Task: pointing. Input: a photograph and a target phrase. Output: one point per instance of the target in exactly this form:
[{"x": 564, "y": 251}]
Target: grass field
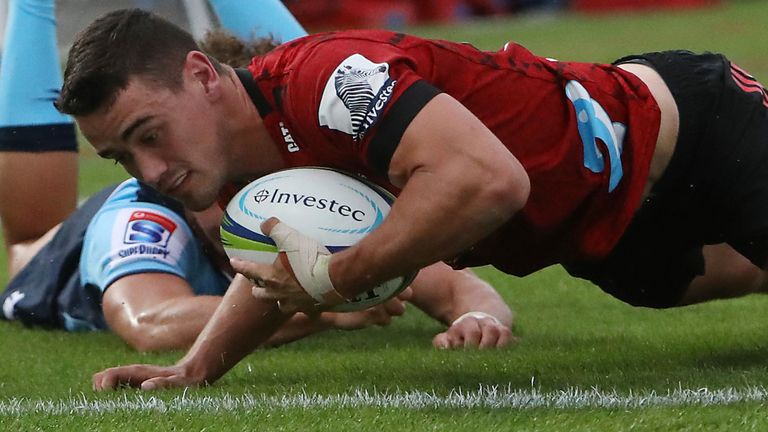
[{"x": 584, "y": 362}]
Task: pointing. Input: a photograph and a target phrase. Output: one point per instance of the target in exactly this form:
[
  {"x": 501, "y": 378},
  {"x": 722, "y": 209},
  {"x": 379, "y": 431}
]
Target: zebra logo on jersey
[{"x": 355, "y": 96}]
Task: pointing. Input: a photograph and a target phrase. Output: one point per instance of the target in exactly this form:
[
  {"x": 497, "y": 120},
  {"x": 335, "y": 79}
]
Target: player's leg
[
  {"x": 727, "y": 274},
  {"x": 741, "y": 130},
  {"x": 38, "y": 150},
  {"x": 253, "y": 19},
  {"x": 715, "y": 190}
]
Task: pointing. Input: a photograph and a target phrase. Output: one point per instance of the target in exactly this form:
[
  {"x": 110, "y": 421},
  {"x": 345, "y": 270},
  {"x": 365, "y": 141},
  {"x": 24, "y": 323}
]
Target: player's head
[
  {"x": 144, "y": 95},
  {"x": 117, "y": 47}
]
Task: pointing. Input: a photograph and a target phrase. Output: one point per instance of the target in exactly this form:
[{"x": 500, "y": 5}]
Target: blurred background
[
  {"x": 397, "y": 13},
  {"x": 319, "y": 15}
]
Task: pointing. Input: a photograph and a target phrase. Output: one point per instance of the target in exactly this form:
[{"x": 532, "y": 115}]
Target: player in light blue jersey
[{"x": 132, "y": 260}]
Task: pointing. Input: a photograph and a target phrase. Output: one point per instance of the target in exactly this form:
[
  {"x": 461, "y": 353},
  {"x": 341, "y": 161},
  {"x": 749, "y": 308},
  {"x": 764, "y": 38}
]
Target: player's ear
[{"x": 199, "y": 69}]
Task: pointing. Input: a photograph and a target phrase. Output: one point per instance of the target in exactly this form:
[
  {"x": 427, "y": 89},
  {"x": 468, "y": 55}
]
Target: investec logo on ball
[
  {"x": 148, "y": 233},
  {"x": 275, "y": 196}
]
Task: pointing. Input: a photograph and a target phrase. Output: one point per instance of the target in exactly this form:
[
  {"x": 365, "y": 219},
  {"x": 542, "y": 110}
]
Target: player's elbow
[
  {"x": 505, "y": 190},
  {"x": 142, "y": 345},
  {"x": 515, "y": 187},
  {"x": 142, "y": 339},
  {"x": 143, "y": 334}
]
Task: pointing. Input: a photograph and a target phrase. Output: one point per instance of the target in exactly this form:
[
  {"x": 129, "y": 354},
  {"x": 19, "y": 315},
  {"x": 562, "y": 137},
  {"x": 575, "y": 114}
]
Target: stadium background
[{"x": 318, "y": 15}]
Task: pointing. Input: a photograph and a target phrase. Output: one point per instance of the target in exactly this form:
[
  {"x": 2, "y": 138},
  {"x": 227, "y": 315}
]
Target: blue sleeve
[
  {"x": 249, "y": 19},
  {"x": 126, "y": 238}
]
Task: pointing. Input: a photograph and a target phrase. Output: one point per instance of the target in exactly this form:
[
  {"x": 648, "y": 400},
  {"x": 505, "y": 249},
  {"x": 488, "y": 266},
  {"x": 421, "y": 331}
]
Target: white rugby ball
[{"x": 334, "y": 208}]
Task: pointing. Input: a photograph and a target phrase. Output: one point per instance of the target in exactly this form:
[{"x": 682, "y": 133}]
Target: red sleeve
[{"x": 359, "y": 95}]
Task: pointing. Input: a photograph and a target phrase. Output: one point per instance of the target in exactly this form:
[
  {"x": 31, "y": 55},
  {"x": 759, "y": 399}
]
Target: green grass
[
  {"x": 573, "y": 337},
  {"x": 737, "y": 30}
]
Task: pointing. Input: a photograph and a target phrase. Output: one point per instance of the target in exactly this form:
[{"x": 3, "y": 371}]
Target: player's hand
[
  {"x": 298, "y": 279},
  {"x": 145, "y": 377},
  {"x": 275, "y": 282},
  {"x": 379, "y": 315},
  {"x": 474, "y": 330}
]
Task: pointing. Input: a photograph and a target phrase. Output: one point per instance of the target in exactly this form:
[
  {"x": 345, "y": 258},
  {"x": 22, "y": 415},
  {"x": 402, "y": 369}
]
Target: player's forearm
[
  {"x": 170, "y": 325},
  {"x": 434, "y": 218},
  {"x": 177, "y": 323},
  {"x": 458, "y": 184},
  {"x": 469, "y": 293},
  {"x": 446, "y": 294},
  {"x": 240, "y": 324},
  {"x": 486, "y": 301},
  {"x": 299, "y": 326}
]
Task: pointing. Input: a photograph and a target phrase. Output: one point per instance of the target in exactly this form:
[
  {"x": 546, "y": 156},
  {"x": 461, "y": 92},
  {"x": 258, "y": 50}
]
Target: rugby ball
[{"x": 334, "y": 208}]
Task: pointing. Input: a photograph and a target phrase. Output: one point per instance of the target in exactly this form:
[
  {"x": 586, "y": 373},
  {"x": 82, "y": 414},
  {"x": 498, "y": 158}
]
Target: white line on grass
[{"x": 484, "y": 397}]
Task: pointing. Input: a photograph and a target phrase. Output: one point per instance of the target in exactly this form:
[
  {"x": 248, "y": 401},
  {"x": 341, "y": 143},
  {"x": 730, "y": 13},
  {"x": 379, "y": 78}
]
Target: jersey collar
[{"x": 257, "y": 97}]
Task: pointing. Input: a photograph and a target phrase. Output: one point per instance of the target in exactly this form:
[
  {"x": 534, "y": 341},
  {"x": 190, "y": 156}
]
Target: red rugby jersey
[{"x": 585, "y": 133}]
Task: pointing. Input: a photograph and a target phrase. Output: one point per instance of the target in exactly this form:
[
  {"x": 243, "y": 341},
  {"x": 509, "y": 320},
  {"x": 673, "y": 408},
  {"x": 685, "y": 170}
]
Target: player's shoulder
[
  {"x": 132, "y": 192},
  {"x": 124, "y": 192},
  {"x": 323, "y": 48},
  {"x": 132, "y": 201}
]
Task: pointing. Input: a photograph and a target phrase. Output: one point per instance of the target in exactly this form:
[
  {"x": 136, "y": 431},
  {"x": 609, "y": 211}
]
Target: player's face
[{"x": 170, "y": 140}]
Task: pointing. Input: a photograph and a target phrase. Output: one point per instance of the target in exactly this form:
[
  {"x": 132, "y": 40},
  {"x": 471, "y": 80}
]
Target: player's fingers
[
  {"x": 286, "y": 238},
  {"x": 406, "y": 294},
  {"x": 108, "y": 379},
  {"x": 379, "y": 316},
  {"x": 505, "y": 338},
  {"x": 440, "y": 341},
  {"x": 112, "y": 378},
  {"x": 97, "y": 381},
  {"x": 471, "y": 336},
  {"x": 265, "y": 286},
  {"x": 168, "y": 382},
  {"x": 449, "y": 340},
  {"x": 257, "y": 273},
  {"x": 287, "y": 307},
  {"x": 489, "y": 336},
  {"x": 260, "y": 293},
  {"x": 467, "y": 332},
  {"x": 268, "y": 225},
  {"x": 394, "y": 307}
]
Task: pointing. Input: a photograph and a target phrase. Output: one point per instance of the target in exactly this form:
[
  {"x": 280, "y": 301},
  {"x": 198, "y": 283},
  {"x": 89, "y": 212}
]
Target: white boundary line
[{"x": 484, "y": 397}]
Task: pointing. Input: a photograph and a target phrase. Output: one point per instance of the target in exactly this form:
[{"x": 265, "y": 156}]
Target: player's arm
[
  {"x": 159, "y": 311},
  {"x": 238, "y": 326},
  {"x": 474, "y": 312},
  {"x": 459, "y": 183},
  {"x": 156, "y": 311}
]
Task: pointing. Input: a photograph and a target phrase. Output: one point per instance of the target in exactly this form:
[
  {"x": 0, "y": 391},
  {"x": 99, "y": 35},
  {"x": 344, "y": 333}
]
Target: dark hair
[
  {"x": 116, "y": 47},
  {"x": 230, "y": 50}
]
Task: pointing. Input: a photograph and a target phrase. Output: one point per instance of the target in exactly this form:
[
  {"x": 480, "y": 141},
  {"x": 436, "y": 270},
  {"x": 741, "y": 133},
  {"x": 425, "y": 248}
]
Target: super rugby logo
[
  {"x": 355, "y": 95},
  {"x": 149, "y": 228}
]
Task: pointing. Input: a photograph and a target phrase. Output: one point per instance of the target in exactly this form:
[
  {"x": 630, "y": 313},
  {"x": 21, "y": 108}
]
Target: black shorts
[
  {"x": 715, "y": 189},
  {"x": 48, "y": 292}
]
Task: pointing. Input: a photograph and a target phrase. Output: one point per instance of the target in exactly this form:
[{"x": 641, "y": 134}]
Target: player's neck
[{"x": 252, "y": 152}]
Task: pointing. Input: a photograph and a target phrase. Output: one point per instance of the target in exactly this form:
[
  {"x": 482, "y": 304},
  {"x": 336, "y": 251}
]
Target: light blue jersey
[
  {"x": 135, "y": 232},
  {"x": 120, "y": 231}
]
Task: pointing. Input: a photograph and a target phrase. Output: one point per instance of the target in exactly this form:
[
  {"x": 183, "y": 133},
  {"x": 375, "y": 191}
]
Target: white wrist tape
[
  {"x": 477, "y": 315},
  {"x": 309, "y": 261}
]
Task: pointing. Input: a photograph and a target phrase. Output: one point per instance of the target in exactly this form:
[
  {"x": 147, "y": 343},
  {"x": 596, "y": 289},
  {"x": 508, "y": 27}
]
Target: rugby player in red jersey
[
  {"x": 629, "y": 174},
  {"x": 133, "y": 261}
]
